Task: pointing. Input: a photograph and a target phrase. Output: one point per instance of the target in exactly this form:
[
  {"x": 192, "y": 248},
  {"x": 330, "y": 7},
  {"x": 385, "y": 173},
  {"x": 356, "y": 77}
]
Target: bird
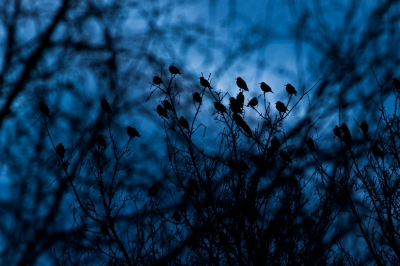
[
  {"x": 197, "y": 97},
  {"x": 290, "y": 89},
  {"x": 101, "y": 141},
  {"x": 60, "y": 150},
  {"x": 337, "y": 132},
  {"x": 104, "y": 230},
  {"x": 285, "y": 156},
  {"x": 396, "y": 83},
  {"x": 220, "y": 107},
  {"x": 157, "y": 80},
  {"x": 176, "y": 216},
  {"x": 265, "y": 88},
  {"x": 183, "y": 122},
  {"x": 253, "y": 102},
  {"x": 167, "y": 105},
  {"x": 345, "y": 130},
  {"x": 205, "y": 83},
  {"x": 364, "y": 127},
  {"x": 280, "y": 107},
  {"x": 376, "y": 151},
  {"x": 241, "y": 84},
  {"x": 105, "y": 106},
  {"x": 234, "y": 105},
  {"x": 152, "y": 191},
  {"x": 240, "y": 99},
  {"x": 238, "y": 119},
  {"x": 275, "y": 143},
  {"x": 162, "y": 112},
  {"x": 44, "y": 109},
  {"x": 246, "y": 128},
  {"x": 174, "y": 70},
  {"x": 310, "y": 144},
  {"x": 132, "y": 132}
]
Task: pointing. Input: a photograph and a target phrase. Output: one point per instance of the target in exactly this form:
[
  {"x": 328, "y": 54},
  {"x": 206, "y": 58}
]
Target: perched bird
[
  {"x": 191, "y": 187},
  {"x": 396, "y": 83},
  {"x": 270, "y": 151},
  {"x": 275, "y": 143},
  {"x": 184, "y": 123},
  {"x": 105, "y": 106},
  {"x": 238, "y": 119},
  {"x": 253, "y": 102},
  {"x": 176, "y": 216},
  {"x": 364, "y": 127},
  {"x": 293, "y": 181},
  {"x": 174, "y": 70},
  {"x": 265, "y": 88},
  {"x": 205, "y": 83},
  {"x": 345, "y": 130},
  {"x": 337, "y": 132},
  {"x": 240, "y": 99},
  {"x": 310, "y": 144},
  {"x": 44, "y": 109},
  {"x": 285, "y": 156},
  {"x": 197, "y": 97},
  {"x": 152, "y": 191},
  {"x": 101, "y": 141},
  {"x": 290, "y": 89},
  {"x": 157, "y": 80},
  {"x": 60, "y": 150},
  {"x": 220, "y": 107},
  {"x": 246, "y": 128},
  {"x": 132, "y": 132},
  {"x": 280, "y": 107},
  {"x": 241, "y": 84},
  {"x": 104, "y": 230},
  {"x": 376, "y": 151},
  {"x": 235, "y": 106},
  {"x": 162, "y": 112},
  {"x": 167, "y": 105}
]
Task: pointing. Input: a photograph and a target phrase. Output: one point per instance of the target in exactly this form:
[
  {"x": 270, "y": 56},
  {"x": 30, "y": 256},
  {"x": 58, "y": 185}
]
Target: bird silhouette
[
  {"x": 105, "y": 106},
  {"x": 376, "y": 151},
  {"x": 192, "y": 186},
  {"x": 44, "y": 109},
  {"x": 197, "y": 97},
  {"x": 183, "y": 122},
  {"x": 337, "y": 132},
  {"x": 364, "y": 127},
  {"x": 220, "y": 107},
  {"x": 253, "y": 102},
  {"x": 310, "y": 144},
  {"x": 396, "y": 83},
  {"x": 174, "y": 70},
  {"x": 240, "y": 99},
  {"x": 280, "y": 107},
  {"x": 285, "y": 156},
  {"x": 101, "y": 141},
  {"x": 246, "y": 128},
  {"x": 176, "y": 216},
  {"x": 162, "y": 112},
  {"x": 132, "y": 132},
  {"x": 238, "y": 119},
  {"x": 265, "y": 88},
  {"x": 60, "y": 150},
  {"x": 275, "y": 143},
  {"x": 157, "y": 80},
  {"x": 167, "y": 105},
  {"x": 152, "y": 191},
  {"x": 345, "y": 130},
  {"x": 205, "y": 83},
  {"x": 241, "y": 84},
  {"x": 104, "y": 230},
  {"x": 234, "y": 105},
  {"x": 290, "y": 89}
]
